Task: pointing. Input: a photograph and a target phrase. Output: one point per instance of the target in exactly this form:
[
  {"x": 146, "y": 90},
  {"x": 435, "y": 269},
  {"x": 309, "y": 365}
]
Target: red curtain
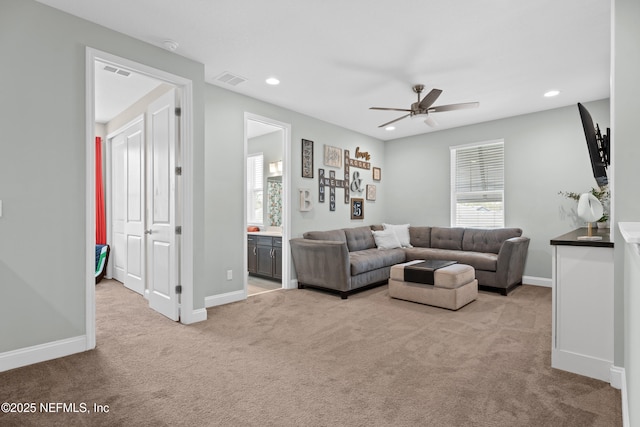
[{"x": 101, "y": 223}]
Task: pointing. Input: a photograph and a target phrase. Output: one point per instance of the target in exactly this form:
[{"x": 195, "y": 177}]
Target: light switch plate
[{"x": 0, "y": 208}]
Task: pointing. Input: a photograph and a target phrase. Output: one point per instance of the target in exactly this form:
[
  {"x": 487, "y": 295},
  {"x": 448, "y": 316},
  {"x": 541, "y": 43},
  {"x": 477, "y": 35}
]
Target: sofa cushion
[
  {"x": 359, "y": 238},
  {"x": 487, "y": 240},
  {"x": 478, "y": 260},
  {"x": 402, "y": 233},
  {"x": 420, "y": 236},
  {"x": 371, "y": 259},
  {"x": 332, "y": 235},
  {"x": 447, "y": 238},
  {"x": 386, "y": 239}
]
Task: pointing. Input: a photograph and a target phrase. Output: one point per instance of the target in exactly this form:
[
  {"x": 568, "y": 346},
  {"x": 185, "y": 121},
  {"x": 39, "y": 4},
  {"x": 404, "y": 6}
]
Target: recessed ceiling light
[
  {"x": 390, "y": 128},
  {"x": 272, "y": 81},
  {"x": 552, "y": 93}
]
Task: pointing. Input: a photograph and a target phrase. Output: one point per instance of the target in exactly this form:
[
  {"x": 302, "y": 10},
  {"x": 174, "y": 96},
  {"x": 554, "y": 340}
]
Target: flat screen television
[{"x": 598, "y": 146}]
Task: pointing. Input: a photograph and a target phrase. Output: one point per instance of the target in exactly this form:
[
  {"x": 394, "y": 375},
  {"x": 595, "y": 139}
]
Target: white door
[
  {"x": 118, "y": 207},
  {"x": 127, "y": 165},
  {"x": 162, "y": 250}
]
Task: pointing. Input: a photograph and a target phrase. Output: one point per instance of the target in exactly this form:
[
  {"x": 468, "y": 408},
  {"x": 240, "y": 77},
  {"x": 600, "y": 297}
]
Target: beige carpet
[{"x": 306, "y": 358}]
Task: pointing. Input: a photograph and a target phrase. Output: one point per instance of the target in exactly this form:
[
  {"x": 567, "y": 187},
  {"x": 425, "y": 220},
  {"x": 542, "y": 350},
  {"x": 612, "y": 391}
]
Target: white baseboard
[
  {"x": 293, "y": 284},
  {"x": 42, "y": 352},
  {"x": 616, "y": 377},
  {"x": 588, "y": 366},
  {"x": 537, "y": 281},
  {"x": 198, "y": 315},
  {"x": 619, "y": 381},
  {"x": 229, "y": 297}
]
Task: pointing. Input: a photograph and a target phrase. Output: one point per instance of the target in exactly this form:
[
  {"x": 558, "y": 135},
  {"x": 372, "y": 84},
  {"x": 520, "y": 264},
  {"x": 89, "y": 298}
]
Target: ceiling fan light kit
[{"x": 423, "y": 107}]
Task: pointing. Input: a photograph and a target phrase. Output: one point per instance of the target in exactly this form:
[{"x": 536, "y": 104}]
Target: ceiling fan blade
[
  {"x": 429, "y": 99},
  {"x": 451, "y": 107},
  {"x": 393, "y": 121},
  {"x": 431, "y": 121},
  {"x": 389, "y": 109}
]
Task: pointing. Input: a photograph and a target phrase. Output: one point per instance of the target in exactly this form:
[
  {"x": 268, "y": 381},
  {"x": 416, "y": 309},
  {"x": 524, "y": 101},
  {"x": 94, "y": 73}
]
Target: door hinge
[
  {"x": 178, "y": 170},
  {"x": 178, "y": 111},
  {"x": 178, "y": 229},
  {"x": 178, "y": 289}
]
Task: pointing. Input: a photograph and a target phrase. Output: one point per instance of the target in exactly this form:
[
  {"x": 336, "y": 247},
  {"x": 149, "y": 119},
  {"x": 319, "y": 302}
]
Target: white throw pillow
[
  {"x": 385, "y": 239},
  {"x": 402, "y": 233}
]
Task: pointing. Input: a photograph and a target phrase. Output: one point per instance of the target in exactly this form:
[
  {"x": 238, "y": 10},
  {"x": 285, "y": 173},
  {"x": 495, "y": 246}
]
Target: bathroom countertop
[{"x": 266, "y": 233}]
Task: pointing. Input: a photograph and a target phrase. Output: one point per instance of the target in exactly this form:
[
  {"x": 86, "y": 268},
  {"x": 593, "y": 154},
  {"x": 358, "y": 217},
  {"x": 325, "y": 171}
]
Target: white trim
[
  {"x": 626, "y": 422},
  {"x": 286, "y": 196},
  {"x": 197, "y": 315},
  {"x": 42, "y": 352},
  {"x": 90, "y": 202},
  {"x": 619, "y": 381},
  {"x": 226, "y": 298},
  {"x": 617, "y": 377},
  {"x": 185, "y": 87},
  {"x": 581, "y": 364},
  {"x": 537, "y": 281}
]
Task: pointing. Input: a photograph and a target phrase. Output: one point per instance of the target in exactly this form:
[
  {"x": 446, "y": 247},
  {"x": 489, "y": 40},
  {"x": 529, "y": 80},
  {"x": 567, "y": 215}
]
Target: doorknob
[{"x": 147, "y": 231}]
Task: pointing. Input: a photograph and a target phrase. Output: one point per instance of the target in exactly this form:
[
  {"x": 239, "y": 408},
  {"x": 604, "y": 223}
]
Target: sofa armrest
[
  {"x": 511, "y": 260},
  {"x": 321, "y": 263}
]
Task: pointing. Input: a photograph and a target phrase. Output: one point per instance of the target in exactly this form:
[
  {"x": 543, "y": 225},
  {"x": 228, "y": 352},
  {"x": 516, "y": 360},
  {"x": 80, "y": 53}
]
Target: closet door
[
  {"x": 128, "y": 206},
  {"x": 162, "y": 254}
]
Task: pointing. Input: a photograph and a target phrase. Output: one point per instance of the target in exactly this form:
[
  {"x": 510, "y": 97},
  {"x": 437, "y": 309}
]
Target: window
[
  {"x": 255, "y": 189},
  {"x": 477, "y": 185}
]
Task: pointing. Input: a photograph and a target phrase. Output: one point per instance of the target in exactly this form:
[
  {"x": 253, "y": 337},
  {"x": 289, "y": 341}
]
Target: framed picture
[
  {"x": 332, "y": 156},
  {"x": 371, "y": 192},
  {"x": 307, "y": 158},
  {"x": 357, "y": 209},
  {"x": 377, "y": 174}
]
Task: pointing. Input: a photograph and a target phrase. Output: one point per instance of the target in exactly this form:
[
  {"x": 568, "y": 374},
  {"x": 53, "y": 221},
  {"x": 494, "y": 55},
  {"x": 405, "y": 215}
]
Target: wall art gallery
[{"x": 351, "y": 180}]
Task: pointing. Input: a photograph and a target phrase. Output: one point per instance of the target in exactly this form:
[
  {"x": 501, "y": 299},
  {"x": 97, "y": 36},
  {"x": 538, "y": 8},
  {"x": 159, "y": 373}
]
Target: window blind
[
  {"x": 477, "y": 183},
  {"x": 255, "y": 188}
]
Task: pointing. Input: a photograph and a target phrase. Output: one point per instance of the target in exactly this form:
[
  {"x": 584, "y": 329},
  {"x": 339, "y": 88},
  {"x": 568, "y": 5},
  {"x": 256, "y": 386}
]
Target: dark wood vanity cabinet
[
  {"x": 252, "y": 254},
  {"x": 264, "y": 256}
]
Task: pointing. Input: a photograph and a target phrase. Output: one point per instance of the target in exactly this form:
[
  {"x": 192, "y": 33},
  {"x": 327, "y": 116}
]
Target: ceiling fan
[{"x": 424, "y": 107}]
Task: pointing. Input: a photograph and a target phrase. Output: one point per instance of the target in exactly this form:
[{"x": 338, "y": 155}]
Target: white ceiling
[
  {"x": 114, "y": 92},
  {"x": 337, "y": 58}
]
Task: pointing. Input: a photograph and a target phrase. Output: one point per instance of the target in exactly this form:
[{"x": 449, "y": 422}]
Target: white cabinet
[{"x": 582, "y": 334}]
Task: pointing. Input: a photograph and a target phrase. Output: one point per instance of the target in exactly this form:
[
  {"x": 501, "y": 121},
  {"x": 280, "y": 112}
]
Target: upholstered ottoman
[{"x": 454, "y": 286}]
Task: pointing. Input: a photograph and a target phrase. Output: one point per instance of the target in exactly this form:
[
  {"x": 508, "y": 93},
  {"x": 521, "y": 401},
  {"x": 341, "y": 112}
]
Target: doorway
[
  {"x": 142, "y": 207},
  {"x": 176, "y": 308},
  {"x": 267, "y": 206}
]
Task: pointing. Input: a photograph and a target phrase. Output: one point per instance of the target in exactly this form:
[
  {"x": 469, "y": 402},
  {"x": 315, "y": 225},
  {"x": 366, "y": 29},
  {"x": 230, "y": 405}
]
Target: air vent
[
  {"x": 231, "y": 79},
  {"x": 115, "y": 70}
]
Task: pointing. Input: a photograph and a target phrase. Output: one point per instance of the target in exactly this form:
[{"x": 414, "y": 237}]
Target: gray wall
[
  {"x": 626, "y": 203},
  {"x": 224, "y": 192},
  {"x": 545, "y": 153},
  {"x": 42, "y": 166}
]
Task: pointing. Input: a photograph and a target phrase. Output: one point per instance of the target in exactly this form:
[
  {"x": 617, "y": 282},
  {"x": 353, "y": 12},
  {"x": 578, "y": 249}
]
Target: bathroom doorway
[{"x": 266, "y": 214}]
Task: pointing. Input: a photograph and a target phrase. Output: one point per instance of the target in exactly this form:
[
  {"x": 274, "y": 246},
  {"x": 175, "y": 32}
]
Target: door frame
[
  {"x": 286, "y": 197},
  {"x": 185, "y": 86}
]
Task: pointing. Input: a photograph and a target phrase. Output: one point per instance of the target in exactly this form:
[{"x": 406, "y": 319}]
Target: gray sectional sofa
[{"x": 347, "y": 260}]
